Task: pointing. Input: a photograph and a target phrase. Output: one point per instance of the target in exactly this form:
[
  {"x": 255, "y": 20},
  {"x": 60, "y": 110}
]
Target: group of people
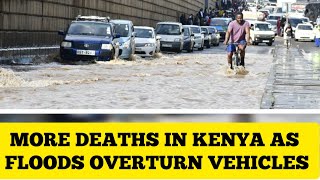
[{"x": 204, "y": 16}]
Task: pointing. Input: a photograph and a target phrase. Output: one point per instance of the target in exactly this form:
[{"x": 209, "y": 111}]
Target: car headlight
[
  {"x": 106, "y": 46},
  {"x": 257, "y": 35},
  {"x": 126, "y": 44},
  {"x": 177, "y": 40},
  {"x": 149, "y": 45},
  {"x": 66, "y": 44}
]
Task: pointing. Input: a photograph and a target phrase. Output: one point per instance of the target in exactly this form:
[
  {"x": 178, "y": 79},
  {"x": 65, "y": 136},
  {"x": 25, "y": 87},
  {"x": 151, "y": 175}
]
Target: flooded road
[{"x": 186, "y": 81}]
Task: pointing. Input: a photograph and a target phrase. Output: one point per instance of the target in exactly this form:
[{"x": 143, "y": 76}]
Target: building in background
[{"x": 36, "y": 22}]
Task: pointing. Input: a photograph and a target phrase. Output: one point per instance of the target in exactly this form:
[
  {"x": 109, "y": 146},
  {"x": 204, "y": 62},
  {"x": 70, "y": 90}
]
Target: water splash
[{"x": 8, "y": 79}]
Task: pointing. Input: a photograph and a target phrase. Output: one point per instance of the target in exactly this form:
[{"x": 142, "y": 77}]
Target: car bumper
[
  {"x": 145, "y": 51},
  {"x": 264, "y": 40},
  {"x": 187, "y": 45},
  {"x": 70, "y": 54},
  {"x": 170, "y": 46},
  {"x": 198, "y": 43},
  {"x": 310, "y": 38},
  {"x": 124, "y": 52}
]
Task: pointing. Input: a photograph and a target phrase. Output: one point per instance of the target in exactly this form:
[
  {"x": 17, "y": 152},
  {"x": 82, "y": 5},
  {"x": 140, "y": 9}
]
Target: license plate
[
  {"x": 266, "y": 41},
  {"x": 86, "y": 52},
  {"x": 138, "y": 49},
  {"x": 166, "y": 45}
]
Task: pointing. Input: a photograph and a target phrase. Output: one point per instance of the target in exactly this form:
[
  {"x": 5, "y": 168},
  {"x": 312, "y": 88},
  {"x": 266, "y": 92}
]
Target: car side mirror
[
  {"x": 116, "y": 35},
  {"x": 61, "y": 33},
  {"x": 203, "y": 32},
  {"x": 192, "y": 34},
  {"x": 158, "y": 37},
  {"x": 210, "y": 33},
  {"x": 182, "y": 31},
  {"x": 134, "y": 34}
]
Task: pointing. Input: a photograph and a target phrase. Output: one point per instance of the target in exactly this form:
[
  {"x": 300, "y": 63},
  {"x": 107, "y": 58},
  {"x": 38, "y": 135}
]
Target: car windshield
[
  {"x": 295, "y": 22},
  {"x": 274, "y": 23},
  {"x": 168, "y": 29},
  {"x": 263, "y": 27},
  {"x": 205, "y": 30},
  {"x": 186, "y": 32},
  {"x": 195, "y": 30},
  {"x": 212, "y": 30},
  {"x": 144, "y": 33},
  {"x": 274, "y": 17},
  {"x": 90, "y": 28},
  {"x": 218, "y": 22},
  {"x": 305, "y": 27},
  {"x": 305, "y": 19},
  {"x": 122, "y": 30}
]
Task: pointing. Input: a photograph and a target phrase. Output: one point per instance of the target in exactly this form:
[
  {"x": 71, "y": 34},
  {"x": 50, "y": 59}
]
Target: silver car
[
  {"x": 126, "y": 41},
  {"x": 198, "y": 36},
  {"x": 215, "y": 35}
]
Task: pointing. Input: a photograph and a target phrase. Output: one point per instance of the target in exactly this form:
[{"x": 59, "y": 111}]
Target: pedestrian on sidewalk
[
  {"x": 287, "y": 35},
  {"x": 279, "y": 27},
  {"x": 317, "y": 35}
]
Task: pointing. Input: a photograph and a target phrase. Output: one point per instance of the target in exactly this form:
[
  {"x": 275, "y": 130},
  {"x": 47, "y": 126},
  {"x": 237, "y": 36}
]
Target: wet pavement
[{"x": 294, "y": 78}]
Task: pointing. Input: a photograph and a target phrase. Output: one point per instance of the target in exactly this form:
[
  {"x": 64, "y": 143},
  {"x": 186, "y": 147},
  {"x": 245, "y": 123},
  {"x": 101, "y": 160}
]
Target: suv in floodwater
[{"x": 88, "y": 38}]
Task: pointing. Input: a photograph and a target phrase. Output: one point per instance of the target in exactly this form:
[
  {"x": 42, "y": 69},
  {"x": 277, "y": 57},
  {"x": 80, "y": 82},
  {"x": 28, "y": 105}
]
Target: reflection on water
[{"x": 197, "y": 81}]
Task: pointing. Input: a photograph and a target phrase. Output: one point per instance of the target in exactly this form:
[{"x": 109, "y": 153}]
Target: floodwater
[{"x": 187, "y": 81}]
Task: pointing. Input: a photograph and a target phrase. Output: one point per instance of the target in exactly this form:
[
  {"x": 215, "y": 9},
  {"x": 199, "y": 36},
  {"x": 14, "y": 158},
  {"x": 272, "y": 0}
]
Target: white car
[
  {"x": 304, "y": 32},
  {"x": 261, "y": 32},
  {"x": 147, "y": 43},
  {"x": 273, "y": 25},
  {"x": 198, "y": 36},
  {"x": 171, "y": 34}
]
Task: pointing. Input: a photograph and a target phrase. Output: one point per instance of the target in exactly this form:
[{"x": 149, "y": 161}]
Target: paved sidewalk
[{"x": 293, "y": 82}]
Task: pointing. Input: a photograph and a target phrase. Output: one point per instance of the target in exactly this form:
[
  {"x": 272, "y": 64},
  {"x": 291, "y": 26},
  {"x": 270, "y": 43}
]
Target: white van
[
  {"x": 171, "y": 34},
  {"x": 261, "y": 32}
]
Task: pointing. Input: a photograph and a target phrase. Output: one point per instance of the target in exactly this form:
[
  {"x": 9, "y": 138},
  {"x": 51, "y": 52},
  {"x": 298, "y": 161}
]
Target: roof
[
  {"x": 222, "y": 18},
  {"x": 276, "y": 14},
  {"x": 191, "y": 26},
  {"x": 305, "y": 24},
  {"x": 169, "y": 23},
  {"x": 260, "y": 22},
  {"x": 143, "y": 27},
  {"x": 91, "y": 18},
  {"x": 207, "y": 26},
  {"x": 121, "y": 21},
  {"x": 100, "y": 22}
]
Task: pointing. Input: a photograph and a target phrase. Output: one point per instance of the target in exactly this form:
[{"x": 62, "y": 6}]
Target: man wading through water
[{"x": 238, "y": 32}]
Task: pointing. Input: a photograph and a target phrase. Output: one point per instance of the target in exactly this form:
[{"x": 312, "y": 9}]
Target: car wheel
[{"x": 269, "y": 44}]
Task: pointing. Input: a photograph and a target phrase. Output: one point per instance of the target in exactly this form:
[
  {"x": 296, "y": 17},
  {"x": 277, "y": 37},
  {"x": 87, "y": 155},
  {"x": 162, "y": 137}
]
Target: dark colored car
[
  {"x": 87, "y": 40},
  {"x": 221, "y": 24},
  {"x": 188, "y": 39}
]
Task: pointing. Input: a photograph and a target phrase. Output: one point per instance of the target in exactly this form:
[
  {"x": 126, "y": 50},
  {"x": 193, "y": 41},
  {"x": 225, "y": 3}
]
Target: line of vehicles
[
  {"x": 102, "y": 39},
  {"x": 302, "y": 26}
]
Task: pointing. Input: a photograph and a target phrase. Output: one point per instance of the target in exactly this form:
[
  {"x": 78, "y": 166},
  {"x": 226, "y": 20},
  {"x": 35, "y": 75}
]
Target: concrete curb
[{"x": 267, "y": 101}]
